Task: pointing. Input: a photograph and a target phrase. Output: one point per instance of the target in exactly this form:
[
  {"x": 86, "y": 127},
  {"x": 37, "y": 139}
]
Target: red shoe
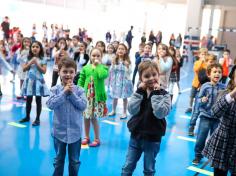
[
  {"x": 95, "y": 143},
  {"x": 85, "y": 141}
]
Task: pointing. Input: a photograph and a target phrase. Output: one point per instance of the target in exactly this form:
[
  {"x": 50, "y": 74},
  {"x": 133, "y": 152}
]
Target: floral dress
[
  {"x": 120, "y": 83},
  {"x": 34, "y": 83},
  {"x": 94, "y": 109}
]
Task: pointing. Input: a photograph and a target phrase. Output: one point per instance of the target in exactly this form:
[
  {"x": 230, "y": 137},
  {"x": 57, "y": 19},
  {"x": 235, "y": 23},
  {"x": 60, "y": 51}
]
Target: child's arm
[
  {"x": 203, "y": 96},
  {"x": 161, "y": 103},
  {"x": 56, "y": 98},
  {"x": 135, "y": 101},
  {"x": 102, "y": 71},
  {"x": 82, "y": 77},
  {"x": 78, "y": 99},
  {"x": 6, "y": 64},
  {"x": 41, "y": 67}
]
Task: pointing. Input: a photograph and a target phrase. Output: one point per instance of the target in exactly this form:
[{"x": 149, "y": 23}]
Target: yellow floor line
[
  {"x": 186, "y": 138},
  {"x": 16, "y": 125},
  {"x": 201, "y": 171}
]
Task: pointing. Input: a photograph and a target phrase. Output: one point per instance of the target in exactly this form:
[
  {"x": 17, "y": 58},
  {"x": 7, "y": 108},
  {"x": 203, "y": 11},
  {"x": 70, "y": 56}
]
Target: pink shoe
[
  {"x": 85, "y": 141},
  {"x": 95, "y": 143}
]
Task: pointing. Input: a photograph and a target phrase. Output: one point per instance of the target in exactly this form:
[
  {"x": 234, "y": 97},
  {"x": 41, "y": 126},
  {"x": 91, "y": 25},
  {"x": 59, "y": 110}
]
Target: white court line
[
  {"x": 186, "y": 90},
  {"x": 186, "y": 138},
  {"x": 183, "y": 74},
  {"x": 201, "y": 171},
  {"x": 185, "y": 117},
  {"x": 111, "y": 123}
]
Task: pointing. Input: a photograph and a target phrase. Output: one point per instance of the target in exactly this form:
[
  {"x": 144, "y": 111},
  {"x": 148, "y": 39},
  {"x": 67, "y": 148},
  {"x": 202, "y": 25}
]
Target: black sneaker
[
  {"x": 36, "y": 123},
  {"x": 26, "y": 119},
  {"x": 189, "y": 110},
  {"x": 191, "y": 131},
  {"x": 196, "y": 161}
]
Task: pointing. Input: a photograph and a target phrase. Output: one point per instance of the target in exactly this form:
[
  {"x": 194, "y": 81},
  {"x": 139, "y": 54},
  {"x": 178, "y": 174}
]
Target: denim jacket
[{"x": 210, "y": 91}]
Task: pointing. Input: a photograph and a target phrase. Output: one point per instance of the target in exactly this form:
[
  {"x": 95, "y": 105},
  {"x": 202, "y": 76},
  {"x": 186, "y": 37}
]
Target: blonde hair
[
  {"x": 203, "y": 50},
  {"x": 211, "y": 57}
]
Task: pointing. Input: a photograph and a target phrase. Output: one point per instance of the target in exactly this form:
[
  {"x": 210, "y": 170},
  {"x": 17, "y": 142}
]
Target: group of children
[{"x": 82, "y": 94}]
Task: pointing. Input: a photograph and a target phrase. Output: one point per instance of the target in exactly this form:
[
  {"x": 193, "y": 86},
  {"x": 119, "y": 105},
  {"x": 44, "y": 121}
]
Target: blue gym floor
[{"x": 29, "y": 151}]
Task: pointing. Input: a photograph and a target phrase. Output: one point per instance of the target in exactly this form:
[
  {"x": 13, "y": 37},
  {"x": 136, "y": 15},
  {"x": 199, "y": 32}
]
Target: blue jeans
[
  {"x": 195, "y": 111},
  {"x": 205, "y": 125},
  {"x": 73, "y": 152},
  {"x": 136, "y": 148}
]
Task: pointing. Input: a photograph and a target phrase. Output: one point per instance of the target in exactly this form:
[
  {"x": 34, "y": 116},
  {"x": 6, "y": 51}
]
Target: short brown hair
[
  {"x": 211, "y": 57},
  {"x": 144, "y": 65},
  {"x": 210, "y": 67},
  {"x": 67, "y": 62}
]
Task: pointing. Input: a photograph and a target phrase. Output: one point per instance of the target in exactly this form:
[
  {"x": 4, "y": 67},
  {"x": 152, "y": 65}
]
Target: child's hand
[
  {"x": 142, "y": 85},
  {"x": 233, "y": 93},
  {"x": 126, "y": 63},
  {"x": 96, "y": 62},
  {"x": 69, "y": 87},
  {"x": 204, "y": 99}
]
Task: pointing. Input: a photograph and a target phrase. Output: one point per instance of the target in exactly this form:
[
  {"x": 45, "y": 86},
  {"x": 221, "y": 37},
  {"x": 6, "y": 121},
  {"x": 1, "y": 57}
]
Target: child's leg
[
  {"x": 28, "y": 109},
  {"x": 219, "y": 172},
  {"x": 87, "y": 127},
  {"x": 54, "y": 78},
  {"x": 38, "y": 110},
  {"x": 60, "y": 149},
  {"x": 203, "y": 130},
  {"x": 151, "y": 150},
  {"x": 125, "y": 104},
  {"x": 74, "y": 154},
  {"x": 0, "y": 90},
  {"x": 133, "y": 155},
  {"x": 96, "y": 128},
  {"x": 114, "y": 104}
]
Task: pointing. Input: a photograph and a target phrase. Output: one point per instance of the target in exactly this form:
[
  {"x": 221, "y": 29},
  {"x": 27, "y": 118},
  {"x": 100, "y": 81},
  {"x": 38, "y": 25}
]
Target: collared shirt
[
  {"x": 68, "y": 109},
  {"x": 211, "y": 92}
]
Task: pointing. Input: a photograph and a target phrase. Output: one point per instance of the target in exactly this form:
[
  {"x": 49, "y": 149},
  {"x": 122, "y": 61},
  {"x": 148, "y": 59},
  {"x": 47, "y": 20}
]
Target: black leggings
[
  {"x": 219, "y": 172},
  {"x": 54, "y": 78},
  {"x": 29, "y": 100}
]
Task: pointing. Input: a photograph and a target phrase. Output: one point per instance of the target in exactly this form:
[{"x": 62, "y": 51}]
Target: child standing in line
[
  {"x": 68, "y": 102},
  {"x": 22, "y": 53},
  {"x": 207, "y": 97},
  {"x": 164, "y": 62},
  {"x": 148, "y": 106},
  {"x": 203, "y": 78},
  {"x": 220, "y": 148},
  {"x": 92, "y": 79},
  {"x": 226, "y": 61},
  {"x": 59, "y": 52},
  {"x": 3, "y": 62},
  {"x": 137, "y": 60},
  {"x": 121, "y": 84},
  {"x": 198, "y": 65},
  {"x": 34, "y": 84}
]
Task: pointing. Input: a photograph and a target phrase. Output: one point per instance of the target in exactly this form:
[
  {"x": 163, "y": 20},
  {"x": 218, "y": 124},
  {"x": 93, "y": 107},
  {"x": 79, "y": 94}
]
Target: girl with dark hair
[{"x": 34, "y": 84}]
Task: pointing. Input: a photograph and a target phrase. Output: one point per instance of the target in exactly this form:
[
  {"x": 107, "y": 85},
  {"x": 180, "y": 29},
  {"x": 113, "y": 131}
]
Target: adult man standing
[
  {"x": 5, "y": 28},
  {"x": 129, "y": 38}
]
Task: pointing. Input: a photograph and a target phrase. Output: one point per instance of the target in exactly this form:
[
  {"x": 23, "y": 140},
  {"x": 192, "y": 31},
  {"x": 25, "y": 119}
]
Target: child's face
[
  {"x": 81, "y": 47},
  {"x": 141, "y": 49},
  {"x": 121, "y": 51},
  {"x": 216, "y": 74},
  {"x": 210, "y": 62},
  {"x": 110, "y": 49},
  {"x": 66, "y": 74},
  {"x": 202, "y": 55},
  {"x": 161, "y": 51},
  {"x": 150, "y": 77},
  {"x": 62, "y": 44},
  {"x": 27, "y": 43},
  {"x": 226, "y": 55},
  {"x": 35, "y": 49},
  {"x": 96, "y": 56},
  {"x": 75, "y": 41},
  {"x": 147, "y": 49},
  {"x": 100, "y": 46}
]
